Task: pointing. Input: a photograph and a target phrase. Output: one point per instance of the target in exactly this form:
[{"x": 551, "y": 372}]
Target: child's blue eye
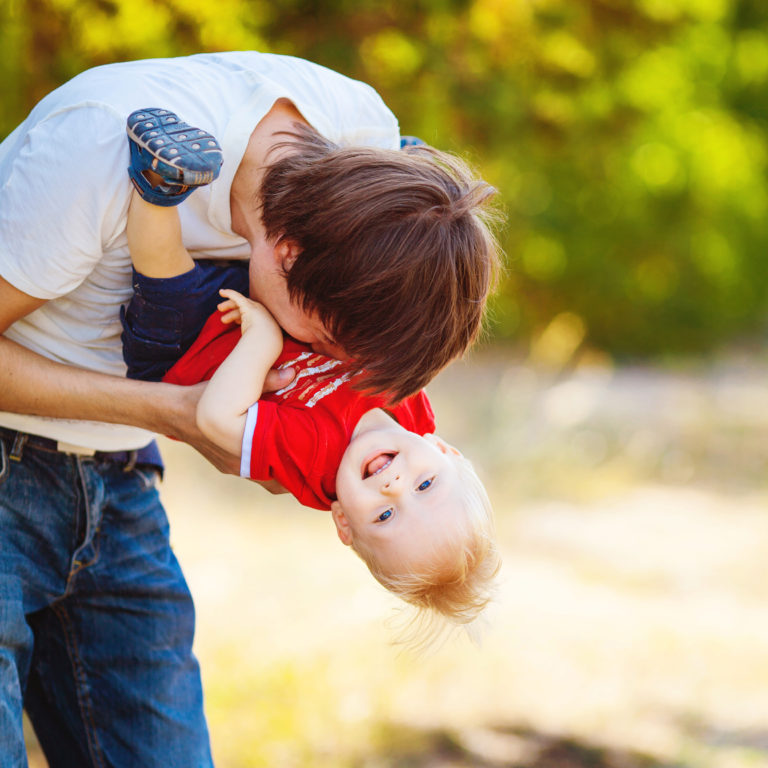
[
  {"x": 425, "y": 484},
  {"x": 385, "y": 515}
]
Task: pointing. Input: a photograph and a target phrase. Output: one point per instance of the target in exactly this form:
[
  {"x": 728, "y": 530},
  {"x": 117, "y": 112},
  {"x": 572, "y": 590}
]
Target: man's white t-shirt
[{"x": 64, "y": 194}]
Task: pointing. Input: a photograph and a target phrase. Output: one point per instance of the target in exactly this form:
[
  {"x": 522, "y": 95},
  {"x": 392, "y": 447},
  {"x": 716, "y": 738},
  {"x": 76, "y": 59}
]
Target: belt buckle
[{"x": 78, "y": 450}]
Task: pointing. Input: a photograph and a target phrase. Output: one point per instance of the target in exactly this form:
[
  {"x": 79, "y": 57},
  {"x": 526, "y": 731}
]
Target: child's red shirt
[{"x": 297, "y": 435}]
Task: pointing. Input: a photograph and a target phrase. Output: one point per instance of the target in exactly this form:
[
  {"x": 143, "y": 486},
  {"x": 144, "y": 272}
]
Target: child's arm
[
  {"x": 154, "y": 240},
  {"x": 239, "y": 380}
]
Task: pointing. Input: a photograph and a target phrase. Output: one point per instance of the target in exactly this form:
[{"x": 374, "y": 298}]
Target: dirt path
[{"x": 631, "y": 629}]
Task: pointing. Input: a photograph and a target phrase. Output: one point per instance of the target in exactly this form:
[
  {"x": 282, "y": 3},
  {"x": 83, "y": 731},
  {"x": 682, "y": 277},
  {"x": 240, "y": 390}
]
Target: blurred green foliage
[{"x": 627, "y": 137}]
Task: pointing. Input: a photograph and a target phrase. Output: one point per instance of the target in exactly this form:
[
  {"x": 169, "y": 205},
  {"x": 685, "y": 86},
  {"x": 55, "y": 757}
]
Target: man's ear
[
  {"x": 441, "y": 445},
  {"x": 343, "y": 527},
  {"x": 286, "y": 252}
]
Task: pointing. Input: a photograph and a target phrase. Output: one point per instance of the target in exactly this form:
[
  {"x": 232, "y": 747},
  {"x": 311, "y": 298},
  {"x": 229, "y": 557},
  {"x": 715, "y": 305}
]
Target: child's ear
[
  {"x": 286, "y": 253},
  {"x": 342, "y": 524},
  {"x": 441, "y": 445}
]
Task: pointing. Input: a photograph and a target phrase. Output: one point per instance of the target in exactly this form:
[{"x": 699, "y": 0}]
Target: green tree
[{"x": 627, "y": 137}]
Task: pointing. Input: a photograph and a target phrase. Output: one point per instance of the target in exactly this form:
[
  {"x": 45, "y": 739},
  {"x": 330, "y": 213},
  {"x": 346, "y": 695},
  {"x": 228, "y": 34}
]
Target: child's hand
[
  {"x": 222, "y": 410},
  {"x": 248, "y": 314}
]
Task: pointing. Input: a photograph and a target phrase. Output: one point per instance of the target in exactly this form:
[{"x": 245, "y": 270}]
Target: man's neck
[
  {"x": 246, "y": 184},
  {"x": 243, "y": 200}
]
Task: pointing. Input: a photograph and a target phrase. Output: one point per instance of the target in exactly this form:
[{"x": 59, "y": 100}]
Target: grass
[{"x": 630, "y": 629}]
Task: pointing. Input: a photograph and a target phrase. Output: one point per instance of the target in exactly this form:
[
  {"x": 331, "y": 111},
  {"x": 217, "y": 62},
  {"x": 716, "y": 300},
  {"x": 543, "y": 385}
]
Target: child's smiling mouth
[{"x": 377, "y": 463}]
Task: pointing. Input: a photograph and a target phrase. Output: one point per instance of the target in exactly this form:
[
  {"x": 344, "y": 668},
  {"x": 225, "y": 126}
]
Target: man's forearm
[
  {"x": 35, "y": 385},
  {"x": 32, "y": 384}
]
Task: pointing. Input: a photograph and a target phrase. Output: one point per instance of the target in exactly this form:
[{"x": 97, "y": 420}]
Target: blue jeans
[
  {"x": 166, "y": 314},
  {"x": 96, "y": 620}
]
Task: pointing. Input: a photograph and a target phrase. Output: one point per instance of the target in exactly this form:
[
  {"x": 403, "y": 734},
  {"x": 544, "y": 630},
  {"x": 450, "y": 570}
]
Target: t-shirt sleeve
[
  {"x": 352, "y": 114},
  {"x": 247, "y": 446},
  {"x": 415, "y": 414},
  {"x": 346, "y": 111},
  {"x": 300, "y": 448},
  {"x": 64, "y": 194}
]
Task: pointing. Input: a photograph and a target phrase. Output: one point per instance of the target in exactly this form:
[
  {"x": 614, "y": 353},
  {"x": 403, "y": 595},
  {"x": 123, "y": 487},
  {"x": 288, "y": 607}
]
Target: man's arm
[{"x": 32, "y": 384}]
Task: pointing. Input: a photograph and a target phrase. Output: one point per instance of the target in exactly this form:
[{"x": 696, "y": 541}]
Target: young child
[{"x": 408, "y": 503}]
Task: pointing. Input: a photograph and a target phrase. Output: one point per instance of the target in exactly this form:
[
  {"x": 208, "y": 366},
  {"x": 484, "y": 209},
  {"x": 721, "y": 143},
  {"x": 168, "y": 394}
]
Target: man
[{"x": 97, "y": 622}]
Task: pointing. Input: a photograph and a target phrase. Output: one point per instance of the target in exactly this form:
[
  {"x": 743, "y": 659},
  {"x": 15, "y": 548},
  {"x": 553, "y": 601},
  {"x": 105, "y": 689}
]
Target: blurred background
[{"x": 617, "y": 407}]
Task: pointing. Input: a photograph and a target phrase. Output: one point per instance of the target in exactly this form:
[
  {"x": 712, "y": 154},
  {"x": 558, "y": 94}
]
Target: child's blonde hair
[{"x": 459, "y": 589}]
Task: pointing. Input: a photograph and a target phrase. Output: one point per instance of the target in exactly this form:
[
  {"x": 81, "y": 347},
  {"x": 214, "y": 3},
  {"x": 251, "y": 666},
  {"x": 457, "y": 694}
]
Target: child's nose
[{"x": 392, "y": 485}]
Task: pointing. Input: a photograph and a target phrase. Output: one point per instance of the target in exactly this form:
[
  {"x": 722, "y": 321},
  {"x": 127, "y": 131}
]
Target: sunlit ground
[{"x": 631, "y": 626}]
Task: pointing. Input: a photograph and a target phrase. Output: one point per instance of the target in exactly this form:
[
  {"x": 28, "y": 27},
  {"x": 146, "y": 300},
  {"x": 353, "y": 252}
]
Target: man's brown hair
[{"x": 396, "y": 256}]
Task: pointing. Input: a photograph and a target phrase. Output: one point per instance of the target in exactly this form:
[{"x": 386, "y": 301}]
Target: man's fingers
[
  {"x": 186, "y": 430},
  {"x": 277, "y": 379},
  {"x": 271, "y": 485}
]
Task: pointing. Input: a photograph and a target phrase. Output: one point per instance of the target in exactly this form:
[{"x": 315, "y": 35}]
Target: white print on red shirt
[{"x": 314, "y": 378}]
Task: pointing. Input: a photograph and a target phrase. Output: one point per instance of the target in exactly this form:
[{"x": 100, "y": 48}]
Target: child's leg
[
  {"x": 172, "y": 296},
  {"x": 154, "y": 240},
  {"x": 166, "y": 315},
  {"x": 169, "y": 160}
]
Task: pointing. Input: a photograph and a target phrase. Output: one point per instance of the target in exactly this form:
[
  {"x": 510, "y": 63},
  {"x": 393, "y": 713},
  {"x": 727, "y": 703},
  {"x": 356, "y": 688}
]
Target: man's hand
[
  {"x": 30, "y": 383},
  {"x": 184, "y": 422},
  {"x": 278, "y": 378},
  {"x": 271, "y": 485}
]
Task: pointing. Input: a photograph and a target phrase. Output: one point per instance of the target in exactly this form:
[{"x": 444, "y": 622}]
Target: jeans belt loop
[
  {"x": 17, "y": 449},
  {"x": 130, "y": 464}
]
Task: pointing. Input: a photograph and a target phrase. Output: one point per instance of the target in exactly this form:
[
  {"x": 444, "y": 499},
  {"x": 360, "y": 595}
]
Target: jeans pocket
[{"x": 149, "y": 476}]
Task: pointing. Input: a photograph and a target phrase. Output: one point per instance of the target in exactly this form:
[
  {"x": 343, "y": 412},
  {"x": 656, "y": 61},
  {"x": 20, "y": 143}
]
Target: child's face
[{"x": 397, "y": 491}]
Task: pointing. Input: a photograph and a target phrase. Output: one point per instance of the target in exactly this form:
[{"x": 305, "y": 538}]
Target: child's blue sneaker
[{"x": 182, "y": 156}]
